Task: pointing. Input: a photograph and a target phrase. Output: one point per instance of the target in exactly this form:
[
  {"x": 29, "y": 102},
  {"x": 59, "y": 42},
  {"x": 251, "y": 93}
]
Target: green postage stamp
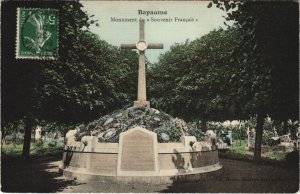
[{"x": 37, "y": 33}]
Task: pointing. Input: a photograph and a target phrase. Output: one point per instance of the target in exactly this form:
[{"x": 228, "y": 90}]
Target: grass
[
  {"x": 16, "y": 149},
  {"x": 276, "y": 155},
  {"x": 36, "y": 149},
  {"x": 239, "y": 147},
  {"x": 239, "y": 151}
]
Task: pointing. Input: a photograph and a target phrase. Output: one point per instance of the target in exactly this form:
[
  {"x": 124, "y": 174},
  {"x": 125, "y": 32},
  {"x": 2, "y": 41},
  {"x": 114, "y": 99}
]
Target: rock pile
[{"x": 108, "y": 127}]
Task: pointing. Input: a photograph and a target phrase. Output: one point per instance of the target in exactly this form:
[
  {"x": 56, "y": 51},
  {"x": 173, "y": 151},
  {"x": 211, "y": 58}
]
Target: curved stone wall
[{"x": 133, "y": 161}]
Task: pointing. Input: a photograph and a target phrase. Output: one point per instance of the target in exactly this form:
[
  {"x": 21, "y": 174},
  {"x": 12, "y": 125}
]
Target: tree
[
  {"x": 248, "y": 69},
  {"x": 198, "y": 78},
  {"x": 88, "y": 83},
  {"x": 19, "y": 77},
  {"x": 84, "y": 82},
  {"x": 271, "y": 30}
]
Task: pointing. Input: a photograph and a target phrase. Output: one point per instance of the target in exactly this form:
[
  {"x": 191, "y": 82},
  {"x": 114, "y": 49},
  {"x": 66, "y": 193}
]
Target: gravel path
[{"x": 41, "y": 175}]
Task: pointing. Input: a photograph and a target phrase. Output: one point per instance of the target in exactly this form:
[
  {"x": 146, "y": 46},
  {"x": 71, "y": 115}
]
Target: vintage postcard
[{"x": 150, "y": 96}]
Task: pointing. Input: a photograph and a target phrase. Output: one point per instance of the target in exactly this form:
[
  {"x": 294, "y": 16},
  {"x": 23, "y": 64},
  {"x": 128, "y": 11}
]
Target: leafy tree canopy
[
  {"x": 247, "y": 69},
  {"x": 197, "y": 78},
  {"x": 89, "y": 78}
]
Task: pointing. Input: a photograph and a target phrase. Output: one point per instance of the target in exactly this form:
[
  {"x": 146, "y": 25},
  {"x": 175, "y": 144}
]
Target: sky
[{"x": 201, "y": 20}]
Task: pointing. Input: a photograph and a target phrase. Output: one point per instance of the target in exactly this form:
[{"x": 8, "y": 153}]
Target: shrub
[
  {"x": 198, "y": 134},
  {"x": 39, "y": 146},
  {"x": 266, "y": 139},
  {"x": 174, "y": 133}
]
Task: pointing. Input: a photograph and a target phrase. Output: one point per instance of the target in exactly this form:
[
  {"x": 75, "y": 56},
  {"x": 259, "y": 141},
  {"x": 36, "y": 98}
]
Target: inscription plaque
[{"x": 138, "y": 152}]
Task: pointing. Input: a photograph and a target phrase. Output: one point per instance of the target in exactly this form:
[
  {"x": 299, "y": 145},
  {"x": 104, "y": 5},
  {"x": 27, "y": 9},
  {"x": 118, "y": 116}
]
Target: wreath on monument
[{"x": 109, "y": 127}]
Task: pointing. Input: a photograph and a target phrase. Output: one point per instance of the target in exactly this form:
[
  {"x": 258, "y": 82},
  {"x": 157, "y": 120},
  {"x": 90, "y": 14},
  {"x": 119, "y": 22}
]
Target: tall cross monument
[{"x": 142, "y": 45}]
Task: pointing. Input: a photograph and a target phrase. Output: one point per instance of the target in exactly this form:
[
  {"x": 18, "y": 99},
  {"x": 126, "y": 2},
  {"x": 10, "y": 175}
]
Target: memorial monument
[
  {"x": 139, "y": 143},
  {"x": 142, "y": 45}
]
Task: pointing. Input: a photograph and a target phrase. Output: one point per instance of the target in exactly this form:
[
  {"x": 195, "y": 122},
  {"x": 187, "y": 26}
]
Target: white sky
[{"x": 167, "y": 33}]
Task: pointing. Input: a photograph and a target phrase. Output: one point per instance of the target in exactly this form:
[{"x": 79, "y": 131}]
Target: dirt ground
[{"x": 41, "y": 175}]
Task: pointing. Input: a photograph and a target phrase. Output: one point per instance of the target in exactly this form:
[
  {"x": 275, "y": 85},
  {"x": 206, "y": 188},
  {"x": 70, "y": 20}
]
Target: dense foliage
[
  {"x": 272, "y": 30},
  {"x": 249, "y": 69},
  {"x": 94, "y": 79},
  {"x": 198, "y": 79},
  {"x": 84, "y": 82},
  {"x": 88, "y": 79}
]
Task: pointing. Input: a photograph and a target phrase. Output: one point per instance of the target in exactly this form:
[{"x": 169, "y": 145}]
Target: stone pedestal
[
  {"x": 139, "y": 158},
  {"x": 140, "y": 103}
]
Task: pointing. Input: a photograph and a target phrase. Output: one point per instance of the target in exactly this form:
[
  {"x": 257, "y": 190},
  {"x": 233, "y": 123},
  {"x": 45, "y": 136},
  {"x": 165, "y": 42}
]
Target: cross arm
[
  {"x": 155, "y": 46},
  {"x": 128, "y": 46}
]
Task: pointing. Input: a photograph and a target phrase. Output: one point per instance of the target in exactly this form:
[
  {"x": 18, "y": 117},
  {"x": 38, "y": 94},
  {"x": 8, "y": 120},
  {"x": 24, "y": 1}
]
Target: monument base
[
  {"x": 142, "y": 103},
  {"x": 139, "y": 158},
  {"x": 165, "y": 177}
]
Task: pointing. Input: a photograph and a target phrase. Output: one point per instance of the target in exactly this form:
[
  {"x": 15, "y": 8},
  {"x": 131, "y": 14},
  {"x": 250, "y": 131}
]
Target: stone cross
[{"x": 142, "y": 45}]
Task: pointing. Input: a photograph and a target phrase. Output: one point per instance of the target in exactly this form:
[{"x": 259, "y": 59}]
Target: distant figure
[{"x": 38, "y": 133}]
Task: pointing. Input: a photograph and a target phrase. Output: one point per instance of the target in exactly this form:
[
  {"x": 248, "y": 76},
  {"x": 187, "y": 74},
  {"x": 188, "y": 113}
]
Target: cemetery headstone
[
  {"x": 38, "y": 133},
  {"x": 251, "y": 138},
  {"x": 229, "y": 136}
]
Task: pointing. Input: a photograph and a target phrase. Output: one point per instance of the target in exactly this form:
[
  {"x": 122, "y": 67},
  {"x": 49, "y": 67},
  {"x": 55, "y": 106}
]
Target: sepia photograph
[{"x": 150, "y": 96}]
